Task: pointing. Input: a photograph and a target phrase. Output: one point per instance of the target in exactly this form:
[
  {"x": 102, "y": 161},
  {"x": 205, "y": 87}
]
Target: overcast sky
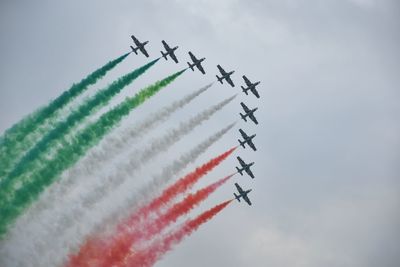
[{"x": 326, "y": 191}]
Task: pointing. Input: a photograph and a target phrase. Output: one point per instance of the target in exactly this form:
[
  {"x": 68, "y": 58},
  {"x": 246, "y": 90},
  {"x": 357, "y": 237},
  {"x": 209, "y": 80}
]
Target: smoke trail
[
  {"x": 110, "y": 146},
  {"x": 151, "y": 254},
  {"x": 177, "y": 210},
  {"x": 26, "y": 246},
  {"x": 36, "y": 157},
  {"x": 13, "y": 142},
  {"x": 138, "y": 158},
  {"x": 69, "y": 211},
  {"x": 113, "y": 144},
  {"x": 71, "y": 153},
  {"x": 182, "y": 185},
  {"x": 111, "y": 251},
  {"x": 152, "y": 188}
]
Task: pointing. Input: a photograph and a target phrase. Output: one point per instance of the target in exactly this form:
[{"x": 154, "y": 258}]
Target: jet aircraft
[
  {"x": 225, "y": 76},
  {"x": 248, "y": 113},
  {"x": 169, "y": 51},
  {"x": 245, "y": 167},
  {"x": 242, "y": 194},
  {"x": 139, "y": 46},
  {"x": 250, "y": 86},
  {"x": 247, "y": 140},
  {"x": 196, "y": 63}
]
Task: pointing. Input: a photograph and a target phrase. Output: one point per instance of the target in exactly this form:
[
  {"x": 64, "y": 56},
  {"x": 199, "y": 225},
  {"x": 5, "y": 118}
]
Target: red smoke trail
[
  {"x": 181, "y": 208},
  {"x": 150, "y": 229},
  {"x": 149, "y": 256},
  {"x": 177, "y": 188},
  {"x": 99, "y": 249}
]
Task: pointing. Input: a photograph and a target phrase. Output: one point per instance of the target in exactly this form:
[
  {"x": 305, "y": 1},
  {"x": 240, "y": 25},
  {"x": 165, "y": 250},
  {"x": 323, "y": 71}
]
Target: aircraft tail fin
[
  {"x": 239, "y": 171},
  {"x": 164, "y": 55},
  {"x": 243, "y": 117},
  {"x": 219, "y": 79},
  {"x": 191, "y": 66},
  {"x": 241, "y": 143},
  {"x": 244, "y": 90},
  {"x": 134, "y": 50},
  {"x": 237, "y": 197}
]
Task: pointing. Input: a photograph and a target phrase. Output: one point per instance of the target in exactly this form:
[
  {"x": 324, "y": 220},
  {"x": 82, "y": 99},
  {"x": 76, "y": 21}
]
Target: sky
[{"x": 326, "y": 191}]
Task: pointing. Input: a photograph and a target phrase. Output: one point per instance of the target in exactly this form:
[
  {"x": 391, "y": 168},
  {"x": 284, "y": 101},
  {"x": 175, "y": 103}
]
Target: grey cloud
[{"x": 326, "y": 188}]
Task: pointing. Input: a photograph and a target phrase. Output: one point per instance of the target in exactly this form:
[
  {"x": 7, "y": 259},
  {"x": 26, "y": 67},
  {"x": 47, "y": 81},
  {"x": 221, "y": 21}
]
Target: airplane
[
  {"x": 245, "y": 167},
  {"x": 196, "y": 63},
  {"x": 247, "y": 140},
  {"x": 225, "y": 75},
  {"x": 139, "y": 46},
  {"x": 250, "y": 86},
  {"x": 242, "y": 194},
  {"x": 170, "y": 52},
  {"x": 249, "y": 113}
]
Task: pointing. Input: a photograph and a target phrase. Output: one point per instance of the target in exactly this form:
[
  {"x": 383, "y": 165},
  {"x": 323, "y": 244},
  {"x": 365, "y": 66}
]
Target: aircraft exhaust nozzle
[{"x": 237, "y": 197}]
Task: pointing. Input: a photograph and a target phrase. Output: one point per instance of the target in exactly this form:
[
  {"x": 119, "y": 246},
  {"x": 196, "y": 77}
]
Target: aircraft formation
[{"x": 248, "y": 112}]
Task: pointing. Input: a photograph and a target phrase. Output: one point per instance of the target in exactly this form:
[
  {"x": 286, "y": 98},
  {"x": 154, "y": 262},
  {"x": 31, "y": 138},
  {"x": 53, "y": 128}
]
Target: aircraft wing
[
  {"x": 229, "y": 80},
  {"x": 244, "y": 135},
  {"x": 242, "y": 163},
  {"x": 247, "y": 81},
  {"x": 136, "y": 41},
  {"x": 245, "y": 108},
  {"x": 194, "y": 59},
  {"x": 253, "y": 118},
  {"x": 250, "y": 173},
  {"x": 165, "y": 45},
  {"x": 251, "y": 144},
  {"x": 254, "y": 91},
  {"x": 143, "y": 50},
  {"x": 172, "y": 55},
  {"x": 223, "y": 72},
  {"x": 239, "y": 189},
  {"x": 246, "y": 198},
  {"x": 200, "y": 67}
]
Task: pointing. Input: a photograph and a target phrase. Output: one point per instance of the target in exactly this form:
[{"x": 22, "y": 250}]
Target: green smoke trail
[
  {"x": 35, "y": 157},
  {"x": 70, "y": 153},
  {"x": 13, "y": 143}
]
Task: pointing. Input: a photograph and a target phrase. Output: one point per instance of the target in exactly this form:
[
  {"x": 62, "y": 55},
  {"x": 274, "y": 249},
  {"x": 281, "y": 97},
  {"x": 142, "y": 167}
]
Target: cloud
[{"x": 327, "y": 167}]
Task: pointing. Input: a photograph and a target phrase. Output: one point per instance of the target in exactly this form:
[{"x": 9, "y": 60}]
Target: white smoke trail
[
  {"x": 154, "y": 187},
  {"x": 113, "y": 144},
  {"x": 102, "y": 186},
  {"x": 53, "y": 223},
  {"x": 111, "y": 210},
  {"x": 75, "y": 208},
  {"x": 110, "y": 147}
]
